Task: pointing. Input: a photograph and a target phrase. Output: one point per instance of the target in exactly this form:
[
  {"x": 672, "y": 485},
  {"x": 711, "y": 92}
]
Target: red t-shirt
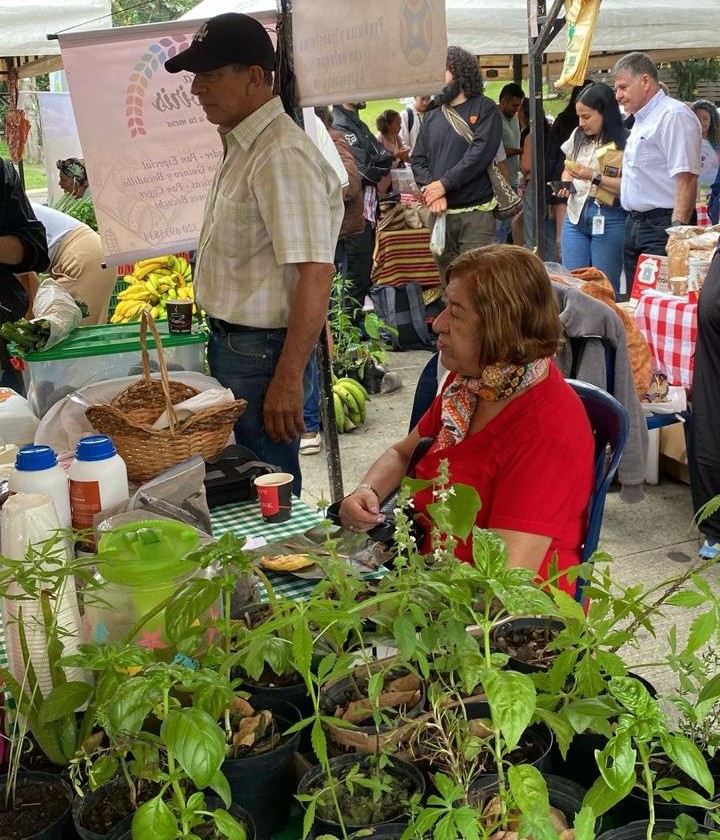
[{"x": 532, "y": 466}]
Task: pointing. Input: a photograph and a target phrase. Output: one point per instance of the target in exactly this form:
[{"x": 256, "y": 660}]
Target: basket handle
[{"x": 147, "y": 320}]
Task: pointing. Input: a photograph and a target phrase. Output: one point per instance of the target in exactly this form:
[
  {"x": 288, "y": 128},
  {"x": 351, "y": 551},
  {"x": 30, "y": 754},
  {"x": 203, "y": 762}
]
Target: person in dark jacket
[
  {"x": 373, "y": 162},
  {"x": 23, "y": 248},
  {"x": 451, "y": 171}
]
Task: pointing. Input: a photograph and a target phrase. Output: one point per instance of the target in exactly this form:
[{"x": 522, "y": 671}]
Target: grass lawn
[
  {"x": 492, "y": 90},
  {"x": 35, "y": 177}
]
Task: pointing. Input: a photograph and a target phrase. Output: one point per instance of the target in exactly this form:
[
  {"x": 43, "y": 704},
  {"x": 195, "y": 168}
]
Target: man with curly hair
[{"x": 452, "y": 171}]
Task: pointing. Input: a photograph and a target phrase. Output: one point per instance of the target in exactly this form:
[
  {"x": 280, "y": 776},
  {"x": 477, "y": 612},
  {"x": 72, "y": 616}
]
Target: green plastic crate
[{"x": 105, "y": 351}]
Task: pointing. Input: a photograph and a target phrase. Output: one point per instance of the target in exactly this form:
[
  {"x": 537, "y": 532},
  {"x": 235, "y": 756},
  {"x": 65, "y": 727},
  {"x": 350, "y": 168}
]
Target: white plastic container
[
  {"x": 98, "y": 479},
  {"x": 37, "y": 471},
  {"x": 8, "y": 453}
]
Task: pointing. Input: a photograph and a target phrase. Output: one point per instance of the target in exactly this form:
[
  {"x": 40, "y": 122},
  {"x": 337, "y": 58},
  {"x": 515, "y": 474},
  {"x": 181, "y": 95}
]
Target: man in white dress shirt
[{"x": 661, "y": 162}]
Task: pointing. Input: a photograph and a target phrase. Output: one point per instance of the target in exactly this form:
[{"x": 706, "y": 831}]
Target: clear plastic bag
[
  {"x": 437, "y": 237},
  {"x": 56, "y": 306}
]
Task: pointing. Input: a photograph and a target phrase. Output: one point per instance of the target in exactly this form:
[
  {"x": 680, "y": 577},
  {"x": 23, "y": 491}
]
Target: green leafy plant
[
  {"x": 352, "y": 352},
  {"x": 81, "y": 209},
  {"x": 690, "y": 72},
  {"x": 61, "y": 720}
]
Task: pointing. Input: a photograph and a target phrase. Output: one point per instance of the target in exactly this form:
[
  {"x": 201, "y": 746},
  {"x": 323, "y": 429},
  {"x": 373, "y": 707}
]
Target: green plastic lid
[
  {"x": 109, "y": 339},
  {"x": 150, "y": 551}
]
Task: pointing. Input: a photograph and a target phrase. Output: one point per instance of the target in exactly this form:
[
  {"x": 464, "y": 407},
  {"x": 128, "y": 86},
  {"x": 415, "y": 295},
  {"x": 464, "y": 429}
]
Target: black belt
[
  {"x": 217, "y": 325},
  {"x": 659, "y": 213}
]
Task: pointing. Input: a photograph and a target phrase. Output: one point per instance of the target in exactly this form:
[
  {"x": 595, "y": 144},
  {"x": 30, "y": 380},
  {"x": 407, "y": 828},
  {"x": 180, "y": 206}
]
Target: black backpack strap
[{"x": 410, "y": 119}]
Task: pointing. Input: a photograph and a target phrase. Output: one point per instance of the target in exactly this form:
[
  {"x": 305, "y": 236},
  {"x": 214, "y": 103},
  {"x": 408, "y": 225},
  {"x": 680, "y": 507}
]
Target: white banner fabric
[
  {"x": 347, "y": 51},
  {"x": 149, "y": 152}
]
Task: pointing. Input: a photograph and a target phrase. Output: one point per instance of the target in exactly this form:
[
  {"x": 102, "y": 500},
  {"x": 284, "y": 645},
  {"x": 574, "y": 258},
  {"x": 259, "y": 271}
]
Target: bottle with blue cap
[
  {"x": 98, "y": 479},
  {"x": 37, "y": 471}
]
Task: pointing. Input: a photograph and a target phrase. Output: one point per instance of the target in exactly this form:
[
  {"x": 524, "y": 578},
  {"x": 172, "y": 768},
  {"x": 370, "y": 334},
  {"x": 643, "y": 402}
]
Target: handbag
[
  {"x": 611, "y": 166},
  {"x": 509, "y": 203}
]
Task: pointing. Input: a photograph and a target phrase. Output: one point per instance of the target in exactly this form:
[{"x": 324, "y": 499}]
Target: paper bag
[{"x": 610, "y": 161}]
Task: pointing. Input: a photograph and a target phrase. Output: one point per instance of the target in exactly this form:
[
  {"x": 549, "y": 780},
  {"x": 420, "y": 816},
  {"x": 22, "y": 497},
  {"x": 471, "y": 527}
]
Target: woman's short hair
[
  {"x": 385, "y": 119},
  {"x": 513, "y": 297}
]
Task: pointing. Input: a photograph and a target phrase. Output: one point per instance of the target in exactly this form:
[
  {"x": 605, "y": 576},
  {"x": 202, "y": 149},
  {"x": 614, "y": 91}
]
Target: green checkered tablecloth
[{"x": 244, "y": 520}]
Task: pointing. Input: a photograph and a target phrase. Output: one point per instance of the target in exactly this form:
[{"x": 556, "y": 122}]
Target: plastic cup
[
  {"x": 275, "y": 496},
  {"x": 179, "y": 314}
]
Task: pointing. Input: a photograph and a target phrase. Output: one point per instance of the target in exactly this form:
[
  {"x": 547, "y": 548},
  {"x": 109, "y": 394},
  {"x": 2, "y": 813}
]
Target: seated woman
[{"x": 507, "y": 422}]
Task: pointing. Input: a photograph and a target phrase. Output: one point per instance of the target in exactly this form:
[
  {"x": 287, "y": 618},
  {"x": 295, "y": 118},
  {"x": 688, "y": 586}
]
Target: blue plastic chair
[
  {"x": 610, "y": 424},
  {"x": 425, "y": 391}
]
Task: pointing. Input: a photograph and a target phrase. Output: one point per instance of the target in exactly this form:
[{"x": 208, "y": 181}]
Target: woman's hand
[
  {"x": 582, "y": 173},
  {"x": 360, "y": 511}
]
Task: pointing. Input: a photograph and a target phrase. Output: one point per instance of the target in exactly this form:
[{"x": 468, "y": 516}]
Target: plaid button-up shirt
[{"x": 274, "y": 202}]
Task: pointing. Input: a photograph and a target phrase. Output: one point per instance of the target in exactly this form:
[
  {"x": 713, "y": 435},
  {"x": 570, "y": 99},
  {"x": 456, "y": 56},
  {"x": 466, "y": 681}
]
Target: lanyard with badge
[{"x": 598, "y": 222}]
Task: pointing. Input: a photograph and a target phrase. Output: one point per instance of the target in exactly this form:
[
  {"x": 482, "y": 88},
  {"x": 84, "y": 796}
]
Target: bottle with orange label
[{"x": 98, "y": 479}]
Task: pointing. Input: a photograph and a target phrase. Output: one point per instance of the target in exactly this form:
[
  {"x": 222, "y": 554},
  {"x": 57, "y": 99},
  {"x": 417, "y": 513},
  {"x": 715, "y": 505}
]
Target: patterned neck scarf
[{"x": 497, "y": 382}]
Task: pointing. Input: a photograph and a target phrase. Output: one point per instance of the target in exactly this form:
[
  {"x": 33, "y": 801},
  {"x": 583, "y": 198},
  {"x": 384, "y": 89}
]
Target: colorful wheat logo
[{"x": 156, "y": 55}]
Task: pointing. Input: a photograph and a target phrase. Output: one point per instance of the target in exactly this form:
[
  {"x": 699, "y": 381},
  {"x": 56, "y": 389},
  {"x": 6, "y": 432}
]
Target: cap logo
[{"x": 201, "y": 34}]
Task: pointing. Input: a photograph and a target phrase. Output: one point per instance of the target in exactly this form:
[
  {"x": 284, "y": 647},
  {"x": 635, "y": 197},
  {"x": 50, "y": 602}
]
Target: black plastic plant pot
[
  {"x": 536, "y": 741},
  {"x": 105, "y": 801},
  {"x": 511, "y": 626},
  {"x": 402, "y": 770},
  {"x": 212, "y": 803},
  {"x": 294, "y": 693},
  {"x": 264, "y": 784},
  {"x": 47, "y": 822},
  {"x": 362, "y": 738},
  {"x": 580, "y": 765},
  {"x": 638, "y": 830},
  {"x": 373, "y": 376},
  {"x": 563, "y": 794}
]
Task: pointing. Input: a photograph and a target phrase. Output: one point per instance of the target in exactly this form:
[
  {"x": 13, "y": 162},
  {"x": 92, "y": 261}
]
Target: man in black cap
[{"x": 265, "y": 257}]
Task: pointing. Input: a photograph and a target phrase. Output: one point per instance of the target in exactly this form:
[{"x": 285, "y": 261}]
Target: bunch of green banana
[
  {"x": 153, "y": 282},
  {"x": 349, "y": 398}
]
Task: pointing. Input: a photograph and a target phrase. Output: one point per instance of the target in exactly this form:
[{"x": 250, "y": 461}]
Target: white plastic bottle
[
  {"x": 37, "y": 471},
  {"x": 98, "y": 479}
]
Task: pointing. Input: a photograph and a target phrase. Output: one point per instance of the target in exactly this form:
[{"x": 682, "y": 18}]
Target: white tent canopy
[
  {"x": 25, "y": 24},
  {"x": 499, "y": 27}
]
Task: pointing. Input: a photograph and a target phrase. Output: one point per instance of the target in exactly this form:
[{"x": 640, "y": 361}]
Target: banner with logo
[
  {"x": 149, "y": 152},
  {"x": 348, "y": 51}
]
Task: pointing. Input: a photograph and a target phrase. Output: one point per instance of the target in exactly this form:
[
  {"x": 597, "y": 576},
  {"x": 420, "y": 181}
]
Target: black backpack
[
  {"x": 402, "y": 307},
  {"x": 410, "y": 119}
]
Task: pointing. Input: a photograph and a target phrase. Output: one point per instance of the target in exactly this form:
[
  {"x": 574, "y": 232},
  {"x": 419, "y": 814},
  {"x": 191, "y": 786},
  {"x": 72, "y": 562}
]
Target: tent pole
[
  {"x": 324, "y": 360},
  {"x": 542, "y": 28}
]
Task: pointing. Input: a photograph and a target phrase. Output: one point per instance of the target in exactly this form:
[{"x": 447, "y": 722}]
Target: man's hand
[
  {"x": 283, "y": 408},
  {"x": 432, "y": 192},
  {"x": 439, "y": 206}
]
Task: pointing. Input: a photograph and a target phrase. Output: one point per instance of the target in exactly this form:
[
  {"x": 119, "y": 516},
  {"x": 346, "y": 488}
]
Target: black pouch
[{"x": 230, "y": 477}]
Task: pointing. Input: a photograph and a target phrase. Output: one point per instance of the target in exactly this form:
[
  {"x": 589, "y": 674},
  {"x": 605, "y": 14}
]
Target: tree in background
[
  {"x": 688, "y": 74},
  {"x": 130, "y": 12}
]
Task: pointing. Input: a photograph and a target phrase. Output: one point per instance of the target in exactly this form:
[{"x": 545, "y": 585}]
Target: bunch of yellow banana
[
  {"x": 153, "y": 282},
  {"x": 349, "y": 400}
]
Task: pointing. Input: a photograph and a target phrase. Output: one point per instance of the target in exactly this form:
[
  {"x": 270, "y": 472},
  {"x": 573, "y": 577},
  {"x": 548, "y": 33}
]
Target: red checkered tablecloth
[{"x": 669, "y": 324}]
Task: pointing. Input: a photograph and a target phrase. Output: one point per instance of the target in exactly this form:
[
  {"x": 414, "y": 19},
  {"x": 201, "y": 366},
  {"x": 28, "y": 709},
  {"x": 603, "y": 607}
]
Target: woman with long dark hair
[
  {"x": 707, "y": 113},
  {"x": 594, "y": 229}
]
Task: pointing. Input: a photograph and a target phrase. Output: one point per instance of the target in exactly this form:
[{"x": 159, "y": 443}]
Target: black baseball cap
[{"x": 232, "y": 38}]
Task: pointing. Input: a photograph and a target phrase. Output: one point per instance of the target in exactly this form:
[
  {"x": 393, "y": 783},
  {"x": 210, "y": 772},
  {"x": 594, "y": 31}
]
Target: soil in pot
[
  {"x": 207, "y": 831},
  {"x": 403, "y": 697},
  {"x": 41, "y": 807},
  {"x": 525, "y": 641},
  {"x": 99, "y": 812},
  {"x": 401, "y": 781},
  {"x": 565, "y": 797},
  {"x": 261, "y": 774}
]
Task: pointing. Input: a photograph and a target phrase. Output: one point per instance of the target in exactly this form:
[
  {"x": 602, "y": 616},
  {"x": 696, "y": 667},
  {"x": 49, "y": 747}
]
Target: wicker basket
[{"x": 129, "y": 416}]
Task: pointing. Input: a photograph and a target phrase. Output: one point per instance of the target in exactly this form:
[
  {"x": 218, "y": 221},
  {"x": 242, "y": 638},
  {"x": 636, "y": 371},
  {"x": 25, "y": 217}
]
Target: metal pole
[
  {"x": 542, "y": 28},
  {"x": 327, "y": 413},
  {"x": 324, "y": 363}
]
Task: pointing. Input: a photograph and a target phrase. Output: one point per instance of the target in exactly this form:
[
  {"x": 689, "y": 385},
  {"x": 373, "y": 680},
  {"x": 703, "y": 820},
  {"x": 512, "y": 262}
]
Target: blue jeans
[
  {"x": 311, "y": 409},
  {"x": 581, "y": 249},
  {"x": 245, "y": 362}
]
